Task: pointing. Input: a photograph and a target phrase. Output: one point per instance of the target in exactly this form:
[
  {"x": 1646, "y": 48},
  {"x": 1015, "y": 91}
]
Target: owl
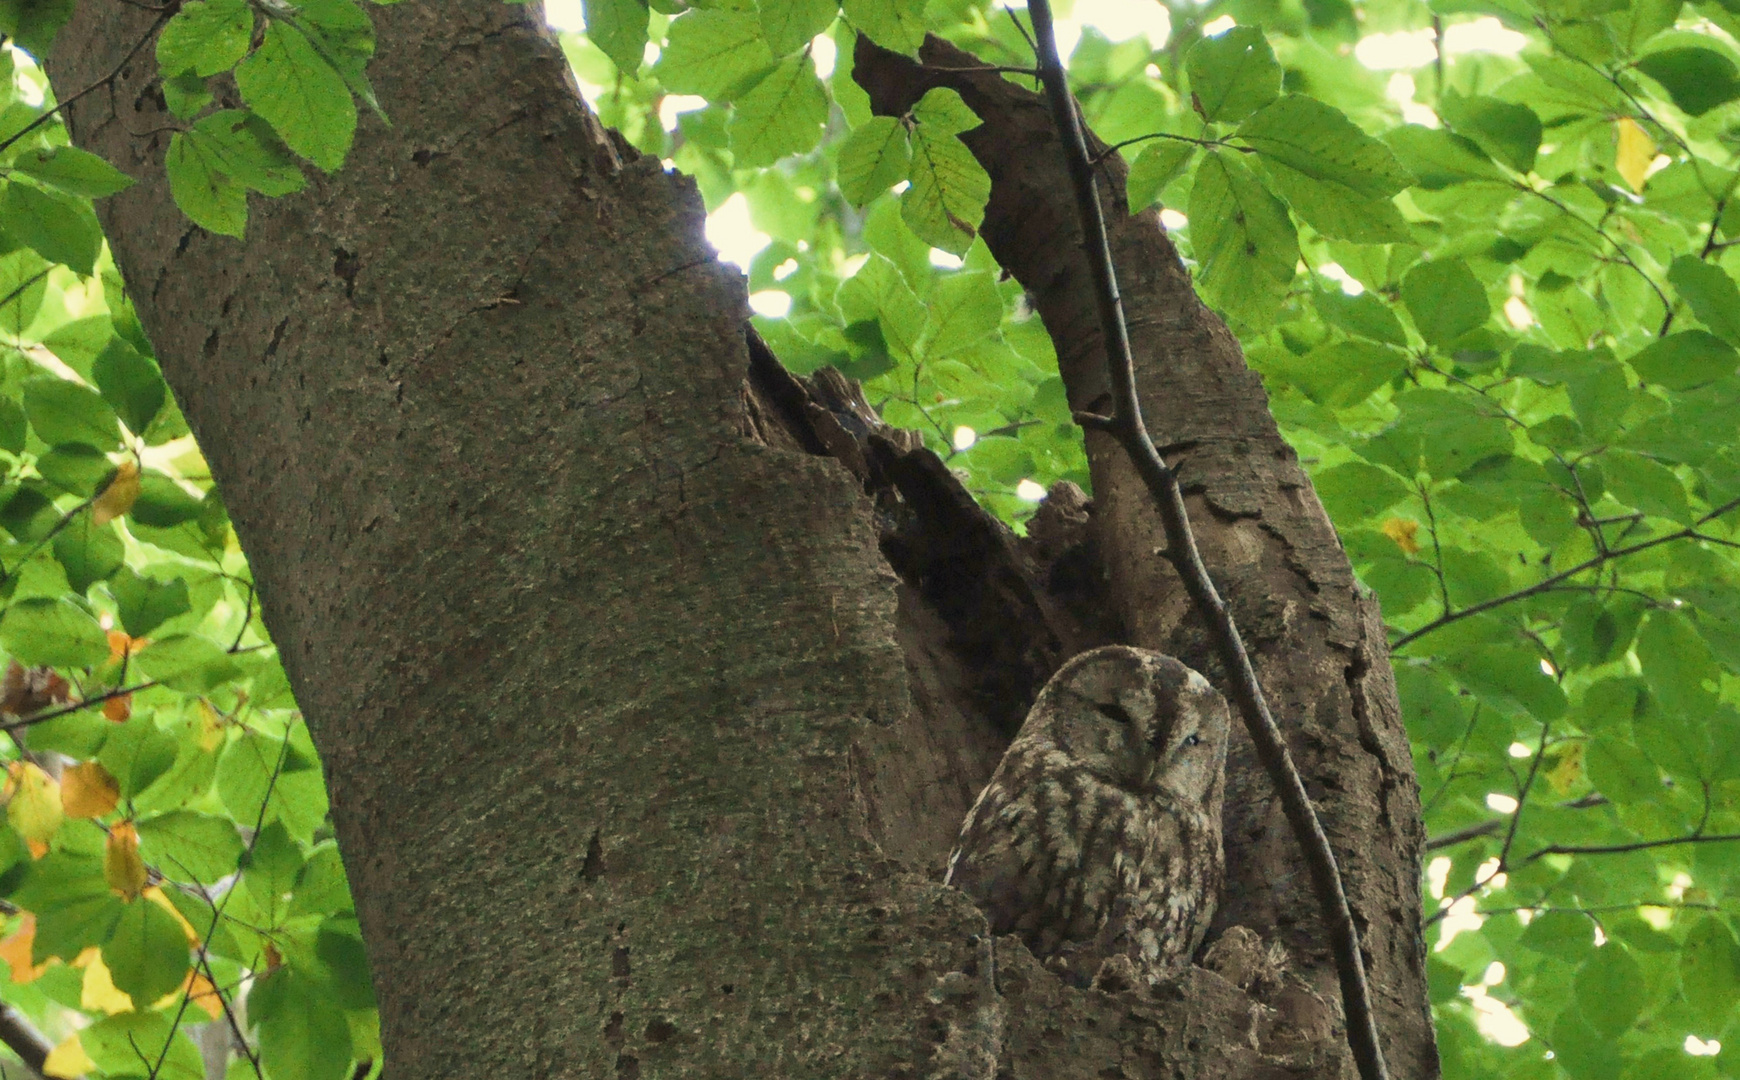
[{"x": 1098, "y": 839}]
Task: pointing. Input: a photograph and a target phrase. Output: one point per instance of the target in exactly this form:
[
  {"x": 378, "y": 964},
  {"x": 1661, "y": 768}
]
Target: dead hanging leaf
[
  {"x": 88, "y": 791},
  {"x": 16, "y": 950},
  {"x": 1565, "y": 773},
  {"x": 123, "y": 869},
  {"x": 118, "y": 708},
  {"x": 204, "y": 995},
  {"x": 122, "y": 646},
  {"x": 1636, "y": 151},
  {"x": 27, "y": 690},
  {"x": 200, "y": 993},
  {"x": 119, "y": 496},
  {"x": 1405, "y": 532},
  {"x": 34, "y": 810}
]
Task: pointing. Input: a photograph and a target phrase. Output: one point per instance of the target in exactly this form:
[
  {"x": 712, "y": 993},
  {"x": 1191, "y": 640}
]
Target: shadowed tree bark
[{"x": 651, "y": 683}]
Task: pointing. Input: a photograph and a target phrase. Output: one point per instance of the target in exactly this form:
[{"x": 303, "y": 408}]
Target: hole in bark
[
  {"x": 984, "y": 617},
  {"x": 659, "y": 1029}
]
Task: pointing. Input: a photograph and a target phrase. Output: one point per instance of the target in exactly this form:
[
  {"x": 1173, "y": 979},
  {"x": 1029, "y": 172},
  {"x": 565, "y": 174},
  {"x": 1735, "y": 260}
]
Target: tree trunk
[{"x": 645, "y": 736}]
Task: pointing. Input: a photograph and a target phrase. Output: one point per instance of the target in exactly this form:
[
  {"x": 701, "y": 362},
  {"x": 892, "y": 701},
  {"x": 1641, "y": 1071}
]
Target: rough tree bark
[{"x": 651, "y": 684}]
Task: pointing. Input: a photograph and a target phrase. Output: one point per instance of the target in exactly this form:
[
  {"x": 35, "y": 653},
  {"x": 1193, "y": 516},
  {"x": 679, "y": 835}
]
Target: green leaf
[
  {"x": 305, "y": 99},
  {"x": 788, "y": 25},
  {"x": 1356, "y": 490},
  {"x": 137, "y": 753},
  {"x": 946, "y": 201},
  {"x": 1246, "y": 248},
  {"x": 62, "y": 411},
  {"x": 873, "y": 159},
  {"x": 144, "y": 604},
  {"x": 782, "y": 114},
  {"x": 302, "y": 1037},
  {"x": 163, "y": 503},
  {"x": 1445, "y": 299},
  {"x": 32, "y": 24},
  {"x": 59, "y": 633},
  {"x": 130, "y": 1044},
  {"x": 214, "y": 164},
  {"x": 710, "y": 52},
  {"x": 1232, "y": 74},
  {"x": 73, "y": 904},
  {"x": 205, "y": 37},
  {"x": 1157, "y": 166},
  {"x": 1344, "y": 373},
  {"x": 1582, "y": 1051},
  {"x": 1710, "y": 971},
  {"x": 321, "y": 886},
  {"x": 1697, "y": 79},
  {"x": 74, "y": 171},
  {"x": 963, "y": 309},
  {"x": 147, "y": 956},
  {"x": 1646, "y": 484},
  {"x": 245, "y": 771},
  {"x": 210, "y": 197},
  {"x": 1676, "y": 663},
  {"x": 1712, "y": 294},
  {"x": 23, "y": 284},
  {"x": 892, "y": 24},
  {"x": 1364, "y": 315},
  {"x": 1510, "y": 680},
  {"x": 1509, "y": 132},
  {"x": 58, "y": 227},
  {"x": 618, "y": 27},
  {"x": 1607, "y": 987},
  {"x": 189, "y": 846},
  {"x": 130, "y": 383},
  {"x": 1621, "y": 771},
  {"x": 1438, "y": 158},
  {"x": 942, "y": 111},
  {"x": 192, "y": 663},
  {"x": 75, "y": 467},
  {"x": 1332, "y": 174},
  {"x": 1686, "y": 360},
  {"x": 339, "y": 946},
  {"x": 88, "y": 553}
]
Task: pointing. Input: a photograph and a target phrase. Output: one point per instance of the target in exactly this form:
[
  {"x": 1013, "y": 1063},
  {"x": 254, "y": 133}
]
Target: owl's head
[{"x": 1138, "y": 719}]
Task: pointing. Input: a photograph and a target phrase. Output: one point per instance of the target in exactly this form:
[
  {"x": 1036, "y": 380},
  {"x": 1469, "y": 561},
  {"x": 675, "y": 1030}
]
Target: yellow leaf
[
  {"x": 1564, "y": 773},
  {"x": 118, "y": 709},
  {"x": 211, "y": 726},
  {"x": 119, "y": 496},
  {"x": 35, "y": 809},
  {"x": 98, "y": 994},
  {"x": 1404, "y": 531},
  {"x": 68, "y": 1060},
  {"x": 16, "y": 950},
  {"x": 123, "y": 869},
  {"x": 88, "y": 791},
  {"x": 1636, "y": 151}
]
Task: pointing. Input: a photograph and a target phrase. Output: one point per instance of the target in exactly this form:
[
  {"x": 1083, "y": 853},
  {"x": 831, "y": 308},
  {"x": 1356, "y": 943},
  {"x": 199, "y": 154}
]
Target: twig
[
  {"x": 1690, "y": 532},
  {"x": 217, "y": 911},
  {"x": 104, "y": 81},
  {"x": 1127, "y": 426}
]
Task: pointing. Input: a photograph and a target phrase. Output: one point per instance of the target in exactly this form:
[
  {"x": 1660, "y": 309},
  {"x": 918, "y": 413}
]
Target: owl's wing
[{"x": 995, "y": 865}]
